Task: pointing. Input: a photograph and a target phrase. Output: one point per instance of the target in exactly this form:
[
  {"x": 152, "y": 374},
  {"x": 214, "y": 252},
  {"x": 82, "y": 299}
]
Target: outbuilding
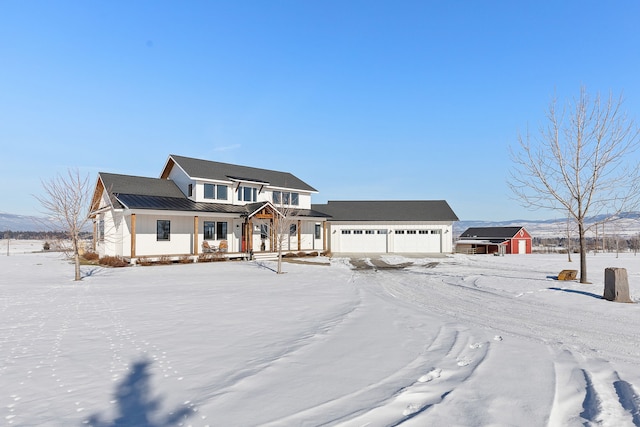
[{"x": 494, "y": 240}]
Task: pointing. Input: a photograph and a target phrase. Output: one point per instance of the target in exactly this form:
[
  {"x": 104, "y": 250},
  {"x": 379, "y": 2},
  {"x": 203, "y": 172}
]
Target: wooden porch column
[
  {"x": 133, "y": 235},
  {"x": 95, "y": 236},
  {"x": 249, "y": 236},
  {"x": 299, "y": 236},
  {"x": 324, "y": 236},
  {"x": 195, "y": 235},
  {"x": 277, "y": 244}
]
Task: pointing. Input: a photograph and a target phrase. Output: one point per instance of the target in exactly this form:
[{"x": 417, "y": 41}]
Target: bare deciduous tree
[
  {"x": 284, "y": 219},
  {"x": 66, "y": 200},
  {"x": 579, "y": 163}
]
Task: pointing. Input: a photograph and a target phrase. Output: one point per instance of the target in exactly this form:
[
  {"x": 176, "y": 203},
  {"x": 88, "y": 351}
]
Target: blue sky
[{"x": 364, "y": 100}]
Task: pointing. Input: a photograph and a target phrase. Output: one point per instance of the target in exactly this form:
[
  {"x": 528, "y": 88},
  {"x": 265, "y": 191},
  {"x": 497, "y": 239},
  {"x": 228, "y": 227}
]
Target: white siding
[
  {"x": 181, "y": 179},
  {"x": 180, "y": 241}
]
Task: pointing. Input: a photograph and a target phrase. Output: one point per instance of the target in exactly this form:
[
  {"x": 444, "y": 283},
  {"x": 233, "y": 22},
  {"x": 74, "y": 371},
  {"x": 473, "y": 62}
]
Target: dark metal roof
[
  {"x": 488, "y": 233},
  {"x": 388, "y": 210},
  {"x": 137, "y": 201},
  {"x": 198, "y": 168},
  {"x": 127, "y": 184},
  {"x": 183, "y": 204}
]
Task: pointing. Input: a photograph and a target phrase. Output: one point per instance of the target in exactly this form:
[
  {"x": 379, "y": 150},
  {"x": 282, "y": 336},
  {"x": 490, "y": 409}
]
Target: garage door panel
[{"x": 354, "y": 242}]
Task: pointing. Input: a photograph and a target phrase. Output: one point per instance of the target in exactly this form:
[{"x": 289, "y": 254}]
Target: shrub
[
  {"x": 185, "y": 259},
  {"x": 301, "y": 254},
  {"x": 164, "y": 260},
  {"x": 315, "y": 253},
  {"x": 46, "y": 246},
  {"x": 205, "y": 257},
  {"x": 113, "y": 261},
  {"x": 90, "y": 256},
  {"x": 144, "y": 261}
]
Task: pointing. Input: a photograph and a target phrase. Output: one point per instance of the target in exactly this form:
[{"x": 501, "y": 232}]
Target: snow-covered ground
[{"x": 452, "y": 341}]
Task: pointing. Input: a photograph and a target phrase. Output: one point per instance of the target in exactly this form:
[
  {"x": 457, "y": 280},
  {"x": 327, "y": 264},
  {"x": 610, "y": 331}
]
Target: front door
[{"x": 261, "y": 236}]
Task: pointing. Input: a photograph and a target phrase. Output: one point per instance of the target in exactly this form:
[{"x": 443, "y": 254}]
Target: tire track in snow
[
  {"x": 589, "y": 392},
  {"x": 452, "y": 356}
]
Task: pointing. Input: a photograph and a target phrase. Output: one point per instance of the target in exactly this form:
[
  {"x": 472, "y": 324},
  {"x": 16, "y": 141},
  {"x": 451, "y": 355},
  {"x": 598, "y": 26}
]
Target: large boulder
[{"x": 616, "y": 285}]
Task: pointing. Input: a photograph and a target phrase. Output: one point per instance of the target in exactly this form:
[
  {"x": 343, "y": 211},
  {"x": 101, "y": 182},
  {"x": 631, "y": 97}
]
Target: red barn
[{"x": 494, "y": 240}]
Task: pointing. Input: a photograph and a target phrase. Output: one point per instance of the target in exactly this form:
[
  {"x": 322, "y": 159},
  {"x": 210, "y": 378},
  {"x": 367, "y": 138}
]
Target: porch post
[
  {"x": 324, "y": 236},
  {"x": 272, "y": 234},
  {"x": 133, "y": 235},
  {"x": 299, "y": 236},
  {"x": 195, "y": 235},
  {"x": 249, "y": 236},
  {"x": 95, "y": 235}
]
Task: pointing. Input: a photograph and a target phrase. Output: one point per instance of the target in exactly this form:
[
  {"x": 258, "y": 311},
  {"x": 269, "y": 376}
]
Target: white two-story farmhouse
[{"x": 198, "y": 204}]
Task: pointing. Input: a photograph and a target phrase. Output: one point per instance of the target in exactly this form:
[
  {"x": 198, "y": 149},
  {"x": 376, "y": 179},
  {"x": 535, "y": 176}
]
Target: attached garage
[{"x": 421, "y": 227}]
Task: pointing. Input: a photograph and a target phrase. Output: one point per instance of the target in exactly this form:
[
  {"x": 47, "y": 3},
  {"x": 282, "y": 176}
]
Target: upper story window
[
  {"x": 286, "y": 198},
  {"x": 247, "y": 194},
  {"x": 214, "y": 191}
]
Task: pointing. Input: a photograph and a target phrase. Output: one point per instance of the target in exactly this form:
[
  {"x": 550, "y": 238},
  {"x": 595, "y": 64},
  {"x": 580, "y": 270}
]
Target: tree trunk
[{"x": 583, "y": 253}]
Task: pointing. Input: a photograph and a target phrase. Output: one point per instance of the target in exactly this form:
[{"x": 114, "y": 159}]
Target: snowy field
[{"x": 452, "y": 341}]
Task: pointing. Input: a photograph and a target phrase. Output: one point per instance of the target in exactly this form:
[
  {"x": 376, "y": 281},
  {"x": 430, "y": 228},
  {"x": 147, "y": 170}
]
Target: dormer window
[
  {"x": 213, "y": 191},
  {"x": 285, "y": 198},
  {"x": 247, "y": 194}
]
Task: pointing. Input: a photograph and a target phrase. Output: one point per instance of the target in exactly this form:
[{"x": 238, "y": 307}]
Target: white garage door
[
  {"x": 423, "y": 241},
  {"x": 361, "y": 241}
]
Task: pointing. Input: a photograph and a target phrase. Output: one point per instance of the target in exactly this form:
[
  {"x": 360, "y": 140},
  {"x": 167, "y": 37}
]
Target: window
[
  {"x": 209, "y": 191},
  {"x": 357, "y": 231},
  {"x": 221, "y": 192},
  {"x": 286, "y": 198},
  {"x": 435, "y": 231},
  {"x": 369, "y": 232},
  {"x": 382, "y": 231},
  {"x": 247, "y": 194},
  {"x": 292, "y": 229},
  {"x": 221, "y": 230},
  {"x": 264, "y": 231},
  {"x": 423, "y": 232},
  {"x": 163, "y": 231},
  {"x": 399, "y": 231},
  {"x": 411, "y": 231},
  {"x": 209, "y": 230},
  {"x": 101, "y": 230},
  {"x": 346, "y": 231},
  {"x": 318, "y": 230},
  {"x": 214, "y": 191},
  {"x": 190, "y": 190},
  {"x": 215, "y": 230}
]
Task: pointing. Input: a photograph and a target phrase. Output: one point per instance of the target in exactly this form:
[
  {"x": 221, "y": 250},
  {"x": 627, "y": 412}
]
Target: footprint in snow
[
  {"x": 497, "y": 338},
  {"x": 463, "y": 362},
  {"x": 430, "y": 376},
  {"x": 476, "y": 345},
  {"x": 411, "y": 409}
]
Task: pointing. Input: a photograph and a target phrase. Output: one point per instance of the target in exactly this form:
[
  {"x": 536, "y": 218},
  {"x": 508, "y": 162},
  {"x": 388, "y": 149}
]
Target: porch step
[{"x": 265, "y": 256}]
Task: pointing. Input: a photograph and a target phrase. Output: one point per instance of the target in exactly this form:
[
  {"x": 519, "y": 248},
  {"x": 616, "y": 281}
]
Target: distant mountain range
[
  {"x": 626, "y": 225},
  {"x": 11, "y": 222}
]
